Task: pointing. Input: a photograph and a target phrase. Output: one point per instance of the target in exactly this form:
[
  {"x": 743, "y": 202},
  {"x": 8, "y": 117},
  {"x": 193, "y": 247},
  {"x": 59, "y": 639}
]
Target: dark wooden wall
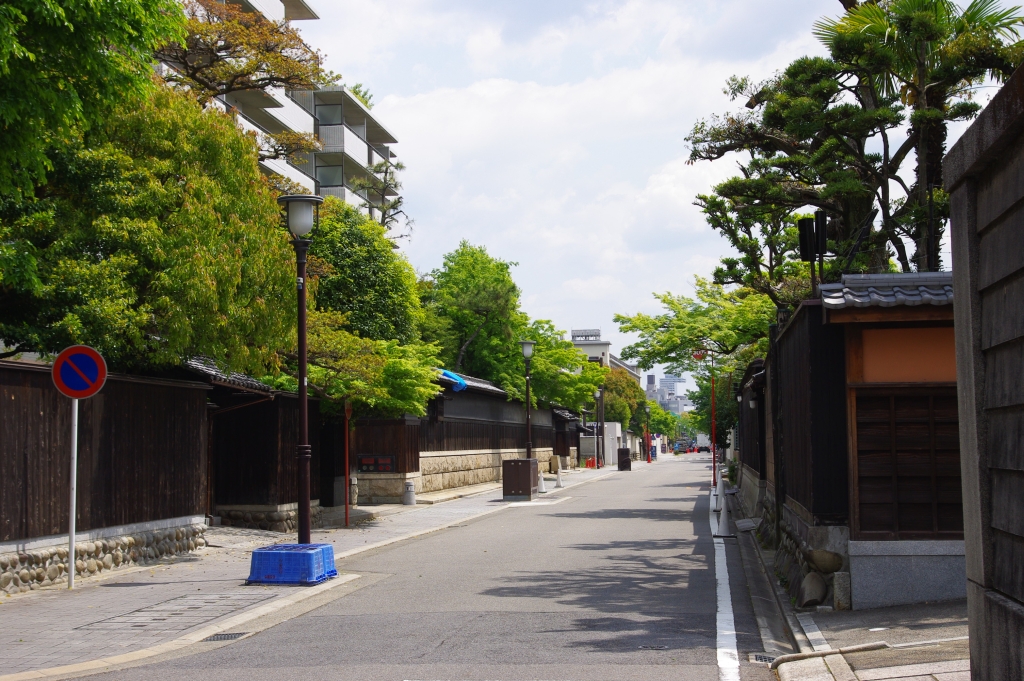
[
  {"x": 254, "y": 450},
  {"x": 812, "y": 408},
  {"x": 984, "y": 173},
  {"x": 141, "y": 453},
  {"x": 751, "y": 422}
]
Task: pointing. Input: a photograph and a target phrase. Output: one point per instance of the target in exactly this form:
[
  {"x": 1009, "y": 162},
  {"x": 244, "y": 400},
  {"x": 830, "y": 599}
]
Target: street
[{"x": 611, "y": 580}]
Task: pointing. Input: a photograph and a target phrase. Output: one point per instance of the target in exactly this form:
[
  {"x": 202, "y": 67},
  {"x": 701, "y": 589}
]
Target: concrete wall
[
  {"x": 984, "y": 174},
  {"x": 884, "y": 573}
]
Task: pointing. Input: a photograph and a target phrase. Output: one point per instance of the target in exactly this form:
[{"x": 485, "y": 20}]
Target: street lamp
[
  {"x": 527, "y": 346},
  {"x": 598, "y": 427},
  {"x": 647, "y": 407},
  {"x": 301, "y": 212}
]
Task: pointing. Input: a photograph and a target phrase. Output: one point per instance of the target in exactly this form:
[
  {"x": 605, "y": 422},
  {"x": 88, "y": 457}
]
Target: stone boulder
[{"x": 813, "y": 591}]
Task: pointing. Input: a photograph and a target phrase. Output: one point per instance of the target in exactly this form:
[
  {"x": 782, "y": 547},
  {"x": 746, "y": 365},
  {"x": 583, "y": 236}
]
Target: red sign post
[{"x": 78, "y": 372}]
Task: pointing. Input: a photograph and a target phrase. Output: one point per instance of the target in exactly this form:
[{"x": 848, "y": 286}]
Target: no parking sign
[{"x": 78, "y": 372}]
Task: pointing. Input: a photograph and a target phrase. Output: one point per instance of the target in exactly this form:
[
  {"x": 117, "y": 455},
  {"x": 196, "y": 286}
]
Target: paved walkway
[{"x": 131, "y": 614}]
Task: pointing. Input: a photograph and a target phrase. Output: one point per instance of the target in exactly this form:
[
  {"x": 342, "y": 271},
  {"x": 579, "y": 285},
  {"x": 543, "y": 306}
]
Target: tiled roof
[
  {"x": 474, "y": 383},
  {"x": 565, "y": 414},
  {"x": 207, "y": 367},
  {"x": 889, "y": 290}
]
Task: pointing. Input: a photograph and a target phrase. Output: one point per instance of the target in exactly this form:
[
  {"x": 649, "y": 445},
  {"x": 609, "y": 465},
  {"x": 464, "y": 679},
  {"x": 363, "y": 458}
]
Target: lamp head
[
  {"x": 597, "y": 394},
  {"x": 527, "y": 346},
  {"x": 301, "y": 212},
  {"x": 739, "y": 398},
  {"x": 648, "y": 408},
  {"x": 699, "y": 355}
]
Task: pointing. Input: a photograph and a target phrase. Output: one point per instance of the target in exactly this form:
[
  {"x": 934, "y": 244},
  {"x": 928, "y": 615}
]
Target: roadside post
[{"x": 78, "y": 372}]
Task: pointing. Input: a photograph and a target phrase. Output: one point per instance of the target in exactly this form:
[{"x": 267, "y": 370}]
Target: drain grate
[
  {"x": 653, "y": 647},
  {"x": 224, "y": 637},
  {"x": 762, "y": 658}
]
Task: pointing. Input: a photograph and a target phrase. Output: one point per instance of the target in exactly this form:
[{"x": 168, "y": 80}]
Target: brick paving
[{"x": 138, "y": 608}]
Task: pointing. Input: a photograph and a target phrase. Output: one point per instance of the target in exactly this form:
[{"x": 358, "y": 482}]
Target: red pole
[{"x": 714, "y": 442}]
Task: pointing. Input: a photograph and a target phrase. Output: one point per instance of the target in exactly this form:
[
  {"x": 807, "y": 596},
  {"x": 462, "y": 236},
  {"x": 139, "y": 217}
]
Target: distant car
[{"x": 704, "y": 448}]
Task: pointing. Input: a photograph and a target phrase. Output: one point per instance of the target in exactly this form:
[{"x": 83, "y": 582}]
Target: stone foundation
[
  {"x": 447, "y": 470},
  {"x": 282, "y": 518},
  {"x": 41, "y": 566}
]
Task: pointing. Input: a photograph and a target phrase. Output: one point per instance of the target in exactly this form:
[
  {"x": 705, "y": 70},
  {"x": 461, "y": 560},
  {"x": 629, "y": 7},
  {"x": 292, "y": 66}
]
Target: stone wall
[
  {"x": 447, "y": 470},
  {"x": 43, "y": 566},
  {"x": 284, "y": 518}
]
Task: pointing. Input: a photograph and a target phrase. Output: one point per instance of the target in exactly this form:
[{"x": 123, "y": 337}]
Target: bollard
[
  {"x": 719, "y": 494},
  {"x": 724, "y": 526},
  {"x": 558, "y": 478},
  {"x": 409, "y": 498},
  {"x": 540, "y": 482}
]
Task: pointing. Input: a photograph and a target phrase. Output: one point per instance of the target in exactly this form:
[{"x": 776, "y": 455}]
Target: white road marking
[{"x": 728, "y": 658}]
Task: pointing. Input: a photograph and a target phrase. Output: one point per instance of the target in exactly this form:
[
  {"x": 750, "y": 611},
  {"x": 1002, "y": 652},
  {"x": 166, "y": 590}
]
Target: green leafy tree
[
  {"x": 664, "y": 422},
  {"x": 363, "y": 276},
  {"x": 726, "y": 414},
  {"x": 380, "y": 377},
  {"x": 479, "y": 302},
  {"x": 624, "y": 400},
  {"x": 227, "y": 50},
  {"x": 732, "y": 325},
  {"x": 64, "y": 66},
  {"x": 383, "y": 190},
  {"x": 561, "y": 374},
  {"x": 362, "y": 93},
  {"x": 931, "y": 54},
  {"x": 158, "y": 239}
]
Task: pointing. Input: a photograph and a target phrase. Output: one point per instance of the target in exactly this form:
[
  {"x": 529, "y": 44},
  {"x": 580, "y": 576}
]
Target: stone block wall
[
  {"x": 44, "y": 566},
  {"x": 273, "y": 518}
]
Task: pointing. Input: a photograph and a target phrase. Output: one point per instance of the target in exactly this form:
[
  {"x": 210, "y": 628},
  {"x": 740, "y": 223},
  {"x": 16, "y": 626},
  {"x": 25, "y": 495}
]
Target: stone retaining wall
[
  {"x": 29, "y": 570},
  {"x": 273, "y": 518}
]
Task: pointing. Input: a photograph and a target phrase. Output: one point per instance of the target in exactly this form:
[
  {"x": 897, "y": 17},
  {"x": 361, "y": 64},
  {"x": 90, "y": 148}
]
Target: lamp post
[
  {"x": 647, "y": 407},
  {"x": 527, "y": 346},
  {"x": 599, "y": 427},
  {"x": 699, "y": 355},
  {"x": 301, "y": 211}
]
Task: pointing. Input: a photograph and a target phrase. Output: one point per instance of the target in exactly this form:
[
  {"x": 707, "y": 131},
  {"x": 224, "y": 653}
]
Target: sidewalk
[{"x": 134, "y": 614}]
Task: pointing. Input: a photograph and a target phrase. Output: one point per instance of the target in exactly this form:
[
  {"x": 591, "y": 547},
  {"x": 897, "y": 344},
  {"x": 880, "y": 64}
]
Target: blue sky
[{"x": 552, "y": 132}]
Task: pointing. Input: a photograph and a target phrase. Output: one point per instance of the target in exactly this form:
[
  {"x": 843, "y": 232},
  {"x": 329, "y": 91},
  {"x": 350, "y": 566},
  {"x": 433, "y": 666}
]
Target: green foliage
[
  {"x": 666, "y": 423},
  {"x": 561, "y": 374},
  {"x": 363, "y": 276},
  {"x": 157, "y": 239},
  {"x": 725, "y": 403},
  {"x": 66, "y": 64},
  {"x": 380, "y": 377},
  {"x": 733, "y": 325},
  {"x": 624, "y": 400},
  {"x": 362, "y": 93},
  {"x": 480, "y": 323}
]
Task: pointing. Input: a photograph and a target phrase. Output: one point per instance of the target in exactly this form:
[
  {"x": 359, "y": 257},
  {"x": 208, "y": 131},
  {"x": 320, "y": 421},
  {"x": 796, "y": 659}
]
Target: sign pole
[{"x": 73, "y": 504}]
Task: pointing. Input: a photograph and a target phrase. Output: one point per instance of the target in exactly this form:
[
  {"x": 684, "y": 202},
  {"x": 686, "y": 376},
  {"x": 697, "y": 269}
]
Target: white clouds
[{"x": 552, "y": 132}]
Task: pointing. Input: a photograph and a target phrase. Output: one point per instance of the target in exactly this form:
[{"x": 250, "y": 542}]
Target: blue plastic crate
[{"x": 303, "y": 564}]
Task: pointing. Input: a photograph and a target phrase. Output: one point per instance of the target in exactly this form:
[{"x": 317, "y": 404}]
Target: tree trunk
[{"x": 462, "y": 350}]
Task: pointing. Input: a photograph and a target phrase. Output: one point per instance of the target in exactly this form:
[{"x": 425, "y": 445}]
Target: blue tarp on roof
[{"x": 460, "y": 384}]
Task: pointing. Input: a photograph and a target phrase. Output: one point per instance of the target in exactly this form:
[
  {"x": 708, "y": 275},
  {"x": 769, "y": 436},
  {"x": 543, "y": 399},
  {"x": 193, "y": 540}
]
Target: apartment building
[
  {"x": 588, "y": 341},
  {"x": 352, "y": 139}
]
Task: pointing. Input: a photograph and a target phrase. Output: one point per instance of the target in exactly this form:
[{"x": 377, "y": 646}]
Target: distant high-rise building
[{"x": 650, "y": 381}]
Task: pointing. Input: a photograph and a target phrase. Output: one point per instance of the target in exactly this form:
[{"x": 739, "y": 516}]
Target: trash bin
[{"x": 625, "y": 463}]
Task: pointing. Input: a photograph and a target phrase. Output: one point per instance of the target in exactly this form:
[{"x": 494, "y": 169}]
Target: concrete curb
[{"x": 259, "y": 611}]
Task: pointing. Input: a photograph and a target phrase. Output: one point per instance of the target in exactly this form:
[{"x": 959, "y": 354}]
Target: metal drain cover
[
  {"x": 653, "y": 647},
  {"x": 763, "y": 658},
  {"x": 224, "y": 637}
]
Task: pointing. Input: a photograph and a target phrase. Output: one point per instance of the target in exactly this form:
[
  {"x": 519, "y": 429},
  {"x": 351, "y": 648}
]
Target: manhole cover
[
  {"x": 762, "y": 658},
  {"x": 653, "y": 647},
  {"x": 224, "y": 637}
]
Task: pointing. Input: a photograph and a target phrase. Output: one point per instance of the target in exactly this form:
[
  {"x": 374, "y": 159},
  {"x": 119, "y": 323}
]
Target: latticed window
[{"x": 907, "y": 468}]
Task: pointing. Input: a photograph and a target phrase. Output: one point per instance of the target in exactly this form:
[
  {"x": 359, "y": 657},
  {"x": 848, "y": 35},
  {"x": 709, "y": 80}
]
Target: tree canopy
[
  {"x": 363, "y": 276},
  {"x": 157, "y": 239},
  {"x": 66, "y": 65}
]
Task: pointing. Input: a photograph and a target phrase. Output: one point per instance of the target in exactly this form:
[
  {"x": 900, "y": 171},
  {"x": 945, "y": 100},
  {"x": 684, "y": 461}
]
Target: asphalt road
[{"x": 569, "y": 590}]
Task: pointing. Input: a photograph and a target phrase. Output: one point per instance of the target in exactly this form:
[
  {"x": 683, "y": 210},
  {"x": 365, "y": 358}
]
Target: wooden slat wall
[
  {"x": 751, "y": 427},
  {"x": 141, "y": 449},
  {"x": 812, "y": 408},
  {"x": 907, "y": 471}
]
